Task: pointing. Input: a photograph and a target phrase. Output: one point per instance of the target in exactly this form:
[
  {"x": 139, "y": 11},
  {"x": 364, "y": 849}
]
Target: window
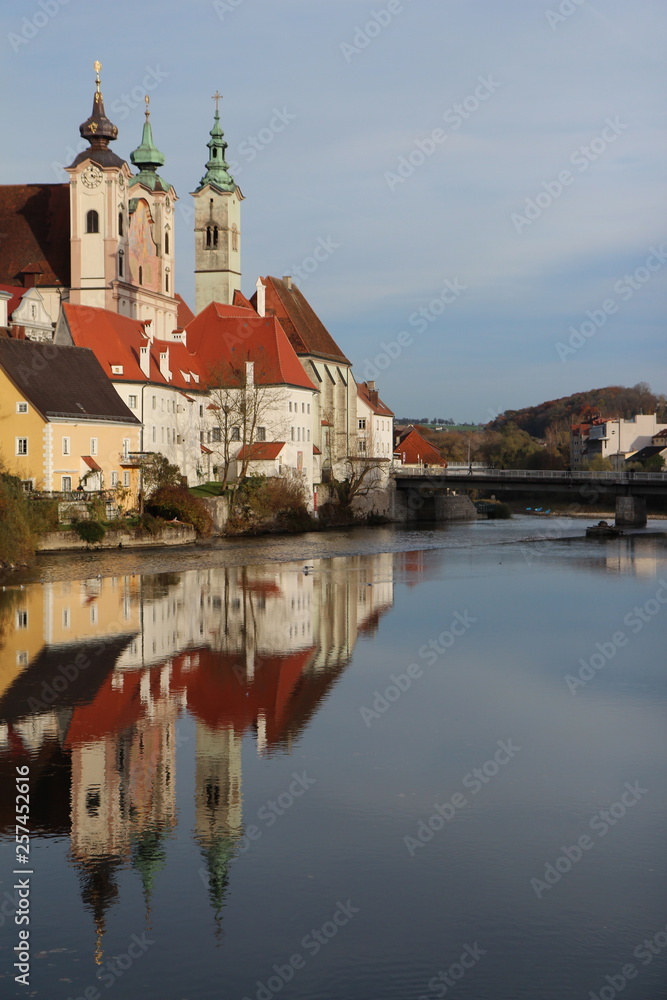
[
  {"x": 114, "y": 479},
  {"x": 290, "y": 407},
  {"x": 308, "y": 408},
  {"x": 21, "y": 407},
  {"x": 126, "y": 479},
  {"x": 261, "y": 433},
  {"x": 308, "y": 432},
  {"x": 66, "y": 446},
  {"x": 126, "y": 447},
  {"x": 292, "y": 433},
  {"x": 236, "y": 434},
  {"x": 166, "y": 282},
  {"x": 215, "y": 236},
  {"x": 216, "y": 434},
  {"x": 27, "y": 485},
  {"x": 201, "y": 437},
  {"x": 166, "y": 243},
  {"x": 120, "y": 223},
  {"x": 120, "y": 265},
  {"x": 93, "y": 614},
  {"x": 362, "y": 423},
  {"x": 362, "y": 447},
  {"x": 92, "y": 221},
  {"x": 33, "y": 312},
  {"x": 208, "y": 236},
  {"x": 154, "y": 435},
  {"x": 22, "y": 658},
  {"x": 21, "y": 446},
  {"x": 66, "y": 484},
  {"x": 141, "y": 275},
  {"x": 298, "y": 433},
  {"x": 93, "y": 446},
  {"x": 303, "y": 407},
  {"x": 22, "y": 619},
  {"x": 132, "y": 402},
  {"x": 201, "y": 411},
  {"x": 67, "y": 621}
]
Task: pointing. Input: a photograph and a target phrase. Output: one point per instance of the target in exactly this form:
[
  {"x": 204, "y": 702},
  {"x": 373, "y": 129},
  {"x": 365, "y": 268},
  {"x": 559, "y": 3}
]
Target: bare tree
[{"x": 245, "y": 412}]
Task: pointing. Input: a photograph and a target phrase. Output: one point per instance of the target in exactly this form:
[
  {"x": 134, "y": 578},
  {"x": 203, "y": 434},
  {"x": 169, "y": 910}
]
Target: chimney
[
  {"x": 261, "y": 297},
  {"x": 371, "y": 385},
  {"x": 250, "y": 373},
  {"x": 4, "y": 301},
  {"x": 287, "y": 278},
  {"x": 145, "y": 361},
  {"x": 164, "y": 365}
]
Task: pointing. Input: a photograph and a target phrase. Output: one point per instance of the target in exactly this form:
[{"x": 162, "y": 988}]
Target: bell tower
[{"x": 217, "y": 225}]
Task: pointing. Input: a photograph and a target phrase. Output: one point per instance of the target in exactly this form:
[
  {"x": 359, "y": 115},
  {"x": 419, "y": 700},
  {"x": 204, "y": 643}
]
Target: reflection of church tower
[
  {"x": 218, "y": 804},
  {"x": 99, "y": 892},
  {"x": 217, "y": 226}
]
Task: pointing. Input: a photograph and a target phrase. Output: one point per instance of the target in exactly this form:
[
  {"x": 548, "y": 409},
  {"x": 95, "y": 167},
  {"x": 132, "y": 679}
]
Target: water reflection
[{"x": 95, "y": 675}]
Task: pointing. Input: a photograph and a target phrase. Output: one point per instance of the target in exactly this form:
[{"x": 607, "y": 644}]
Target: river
[{"x": 374, "y": 764}]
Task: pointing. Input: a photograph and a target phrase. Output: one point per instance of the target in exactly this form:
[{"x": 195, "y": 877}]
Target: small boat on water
[{"x": 603, "y": 530}]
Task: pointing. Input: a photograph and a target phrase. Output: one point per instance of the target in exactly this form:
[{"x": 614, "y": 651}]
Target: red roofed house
[{"x": 412, "y": 449}]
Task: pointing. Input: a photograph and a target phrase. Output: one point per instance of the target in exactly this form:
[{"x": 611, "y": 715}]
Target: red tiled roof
[
  {"x": 261, "y": 451},
  {"x": 241, "y": 300},
  {"x": 414, "y": 449},
  {"x": 116, "y": 340},
  {"x": 305, "y": 329},
  {"x": 224, "y": 337},
  {"x": 316, "y": 450},
  {"x": 372, "y": 400},
  {"x": 91, "y": 463},
  {"x": 35, "y": 224},
  {"x": 185, "y": 314}
]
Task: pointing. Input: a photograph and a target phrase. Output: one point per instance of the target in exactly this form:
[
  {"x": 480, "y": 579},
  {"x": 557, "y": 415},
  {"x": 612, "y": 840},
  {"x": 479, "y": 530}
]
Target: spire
[
  {"x": 148, "y": 157},
  {"x": 99, "y": 131},
  {"x": 217, "y": 168}
]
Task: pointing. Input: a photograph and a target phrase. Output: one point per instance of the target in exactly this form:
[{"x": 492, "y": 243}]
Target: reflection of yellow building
[{"x": 62, "y": 423}]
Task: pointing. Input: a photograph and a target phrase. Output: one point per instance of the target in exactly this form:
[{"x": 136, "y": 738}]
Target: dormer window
[
  {"x": 92, "y": 221},
  {"x": 116, "y": 369}
]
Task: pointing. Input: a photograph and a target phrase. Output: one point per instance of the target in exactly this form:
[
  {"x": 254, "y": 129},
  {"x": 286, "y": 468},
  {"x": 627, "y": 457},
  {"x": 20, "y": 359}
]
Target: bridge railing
[{"x": 624, "y": 476}]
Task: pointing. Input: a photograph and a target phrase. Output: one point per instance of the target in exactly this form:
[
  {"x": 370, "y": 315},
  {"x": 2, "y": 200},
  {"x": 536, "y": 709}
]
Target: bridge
[{"x": 629, "y": 488}]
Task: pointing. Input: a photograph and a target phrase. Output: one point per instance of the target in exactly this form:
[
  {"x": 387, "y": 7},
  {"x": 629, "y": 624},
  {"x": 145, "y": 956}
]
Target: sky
[{"x": 470, "y": 193}]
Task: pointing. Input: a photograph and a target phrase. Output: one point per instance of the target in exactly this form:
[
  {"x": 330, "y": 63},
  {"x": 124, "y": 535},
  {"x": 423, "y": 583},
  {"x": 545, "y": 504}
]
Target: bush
[
  {"x": 90, "y": 531},
  {"x": 149, "y": 525},
  {"x": 171, "y": 502},
  {"x": 17, "y": 541},
  {"x": 263, "y": 504},
  {"x": 42, "y": 515}
]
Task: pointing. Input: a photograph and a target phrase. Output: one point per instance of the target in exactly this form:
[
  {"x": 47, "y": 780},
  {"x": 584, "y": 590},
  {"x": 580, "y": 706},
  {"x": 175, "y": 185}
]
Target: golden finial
[
  {"x": 147, "y": 112},
  {"x": 217, "y": 97},
  {"x": 97, "y": 66}
]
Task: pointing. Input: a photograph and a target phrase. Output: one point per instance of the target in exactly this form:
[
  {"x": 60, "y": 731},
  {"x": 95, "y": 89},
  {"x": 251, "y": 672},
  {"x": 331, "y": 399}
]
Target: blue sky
[{"x": 497, "y": 165}]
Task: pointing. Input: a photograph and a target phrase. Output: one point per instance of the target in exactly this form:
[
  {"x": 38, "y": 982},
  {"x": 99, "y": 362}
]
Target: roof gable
[
  {"x": 415, "y": 449},
  {"x": 306, "y": 331},
  {"x": 35, "y": 223}
]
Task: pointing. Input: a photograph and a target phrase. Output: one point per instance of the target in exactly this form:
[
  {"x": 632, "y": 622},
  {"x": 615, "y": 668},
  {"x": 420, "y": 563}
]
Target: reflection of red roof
[
  {"x": 91, "y": 463},
  {"x": 225, "y": 337},
  {"x": 261, "y": 451},
  {"x": 35, "y": 227},
  {"x": 111, "y": 711},
  {"x": 414, "y": 449},
  {"x": 372, "y": 400}
]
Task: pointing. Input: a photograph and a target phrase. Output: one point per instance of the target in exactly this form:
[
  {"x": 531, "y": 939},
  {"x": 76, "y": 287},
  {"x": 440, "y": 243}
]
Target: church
[{"x": 91, "y": 263}]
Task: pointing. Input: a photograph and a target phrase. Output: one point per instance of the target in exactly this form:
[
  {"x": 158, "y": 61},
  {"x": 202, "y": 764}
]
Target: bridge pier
[{"x": 630, "y": 512}]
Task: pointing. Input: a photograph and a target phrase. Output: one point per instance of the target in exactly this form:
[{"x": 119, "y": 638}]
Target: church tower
[
  {"x": 98, "y": 207},
  {"x": 217, "y": 226}
]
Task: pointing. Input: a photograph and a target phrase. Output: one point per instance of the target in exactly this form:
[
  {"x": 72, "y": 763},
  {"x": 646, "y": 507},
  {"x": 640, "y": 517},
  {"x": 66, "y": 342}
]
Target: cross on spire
[{"x": 217, "y": 97}]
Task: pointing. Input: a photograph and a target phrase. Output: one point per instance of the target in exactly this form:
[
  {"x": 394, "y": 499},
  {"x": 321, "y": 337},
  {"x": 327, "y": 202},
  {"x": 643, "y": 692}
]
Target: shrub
[
  {"x": 263, "y": 503},
  {"x": 171, "y": 502},
  {"x": 17, "y": 542},
  {"x": 42, "y": 515},
  {"x": 90, "y": 531},
  {"x": 149, "y": 525}
]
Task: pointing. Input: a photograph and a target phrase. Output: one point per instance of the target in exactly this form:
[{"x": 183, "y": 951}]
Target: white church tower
[{"x": 217, "y": 226}]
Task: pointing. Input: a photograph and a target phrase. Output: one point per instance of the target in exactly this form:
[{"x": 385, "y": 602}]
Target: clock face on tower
[{"x": 91, "y": 177}]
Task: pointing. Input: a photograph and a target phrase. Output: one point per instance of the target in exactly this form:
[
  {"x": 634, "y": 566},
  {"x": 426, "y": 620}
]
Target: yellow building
[{"x": 62, "y": 423}]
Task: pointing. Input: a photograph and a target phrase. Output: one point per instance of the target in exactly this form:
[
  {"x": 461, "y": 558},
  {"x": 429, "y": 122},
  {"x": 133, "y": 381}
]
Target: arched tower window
[
  {"x": 166, "y": 243},
  {"x": 92, "y": 221},
  {"x": 120, "y": 264},
  {"x": 215, "y": 236},
  {"x": 208, "y": 236},
  {"x": 235, "y": 237},
  {"x": 141, "y": 275},
  {"x": 166, "y": 282},
  {"x": 120, "y": 223}
]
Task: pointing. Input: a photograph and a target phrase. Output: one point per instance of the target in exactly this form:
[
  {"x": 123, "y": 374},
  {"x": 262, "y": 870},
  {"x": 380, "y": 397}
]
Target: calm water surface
[{"x": 429, "y": 765}]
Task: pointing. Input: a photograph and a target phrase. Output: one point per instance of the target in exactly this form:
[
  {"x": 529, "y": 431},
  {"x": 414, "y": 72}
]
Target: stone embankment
[{"x": 63, "y": 541}]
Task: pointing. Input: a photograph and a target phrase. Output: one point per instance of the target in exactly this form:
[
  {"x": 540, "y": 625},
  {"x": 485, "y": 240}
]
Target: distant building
[
  {"x": 412, "y": 449},
  {"x": 614, "y": 438}
]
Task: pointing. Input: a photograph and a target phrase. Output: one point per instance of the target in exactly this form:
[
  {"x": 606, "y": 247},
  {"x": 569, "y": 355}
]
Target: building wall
[
  {"x": 14, "y": 426},
  {"x": 217, "y": 267}
]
